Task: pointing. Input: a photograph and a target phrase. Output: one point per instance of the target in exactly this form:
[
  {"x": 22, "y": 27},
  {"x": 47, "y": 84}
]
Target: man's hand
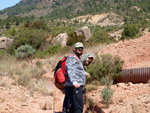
[
  {"x": 76, "y": 85},
  {"x": 87, "y": 74}
]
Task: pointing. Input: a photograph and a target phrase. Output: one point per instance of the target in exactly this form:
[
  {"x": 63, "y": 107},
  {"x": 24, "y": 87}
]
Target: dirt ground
[
  {"x": 134, "y": 52},
  {"x": 127, "y": 97}
]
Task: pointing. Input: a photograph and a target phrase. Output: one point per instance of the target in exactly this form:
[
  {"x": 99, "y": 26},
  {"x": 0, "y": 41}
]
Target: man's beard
[{"x": 78, "y": 54}]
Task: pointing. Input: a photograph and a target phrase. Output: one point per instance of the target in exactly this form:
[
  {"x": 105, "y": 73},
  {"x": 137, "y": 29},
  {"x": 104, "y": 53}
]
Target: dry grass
[
  {"x": 22, "y": 72},
  {"x": 90, "y": 87},
  {"x": 9, "y": 66},
  {"x": 41, "y": 86},
  {"x": 3, "y": 84}
]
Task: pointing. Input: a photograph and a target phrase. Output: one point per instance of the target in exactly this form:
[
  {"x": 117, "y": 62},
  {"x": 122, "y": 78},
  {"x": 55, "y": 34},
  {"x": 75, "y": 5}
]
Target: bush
[
  {"x": 51, "y": 50},
  {"x": 32, "y": 37},
  {"x": 39, "y": 24},
  {"x": 57, "y": 30},
  {"x": 100, "y": 37},
  {"x": 105, "y": 66},
  {"x": 40, "y": 54},
  {"x": 24, "y": 51},
  {"x": 130, "y": 31},
  {"x": 106, "y": 95},
  {"x": 73, "y": 38},
  {"x": 106, "y": 81},
  {"x": 12, "y": 31}
]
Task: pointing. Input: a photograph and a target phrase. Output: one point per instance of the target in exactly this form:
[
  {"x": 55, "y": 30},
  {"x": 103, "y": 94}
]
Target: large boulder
[
  {"x": 61, "y": 38},
  {"x": 5, "y": 42},
  {"x": 85, "y": 31}
]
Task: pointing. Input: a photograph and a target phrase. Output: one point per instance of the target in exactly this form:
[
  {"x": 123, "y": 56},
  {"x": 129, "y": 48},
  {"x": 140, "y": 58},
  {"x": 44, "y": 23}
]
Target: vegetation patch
[{"x": 105, "y": 66}]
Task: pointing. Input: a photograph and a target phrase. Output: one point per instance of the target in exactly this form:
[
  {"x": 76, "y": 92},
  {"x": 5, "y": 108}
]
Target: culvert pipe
[{"x": 135, "y": 75}]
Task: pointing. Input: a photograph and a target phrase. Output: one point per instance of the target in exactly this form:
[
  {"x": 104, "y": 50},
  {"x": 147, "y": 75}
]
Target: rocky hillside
[
  {"x": 104, "y": 19},
  {"x": 134, "y": 52}
]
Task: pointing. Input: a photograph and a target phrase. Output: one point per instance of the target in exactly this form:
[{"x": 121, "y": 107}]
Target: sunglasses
[{"x": 80, "y": 48}]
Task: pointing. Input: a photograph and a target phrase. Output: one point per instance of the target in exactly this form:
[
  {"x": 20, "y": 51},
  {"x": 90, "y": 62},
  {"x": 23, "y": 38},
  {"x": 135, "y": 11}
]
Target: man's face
[
  {"x": 78, "y": 51},
  {"x": 88, "y": 60}
]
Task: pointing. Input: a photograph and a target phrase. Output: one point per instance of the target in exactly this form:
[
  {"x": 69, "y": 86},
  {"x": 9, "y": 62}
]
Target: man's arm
[{"x": 71, "y": 65}]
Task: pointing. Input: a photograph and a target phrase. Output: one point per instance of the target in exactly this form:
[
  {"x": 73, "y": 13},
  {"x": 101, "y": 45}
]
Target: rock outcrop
[
  {"x": 85, "y": 31},
  {"x": 5, "y": 42},
  {"x": 61, "y": 38}
]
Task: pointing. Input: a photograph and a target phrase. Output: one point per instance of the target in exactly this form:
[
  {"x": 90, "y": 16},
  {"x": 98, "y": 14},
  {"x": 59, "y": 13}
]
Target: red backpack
[{"x": 60, "y": 73}]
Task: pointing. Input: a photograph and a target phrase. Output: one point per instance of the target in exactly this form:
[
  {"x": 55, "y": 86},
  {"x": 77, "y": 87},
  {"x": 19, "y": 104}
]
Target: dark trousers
[{"x": 73, "y": 101}]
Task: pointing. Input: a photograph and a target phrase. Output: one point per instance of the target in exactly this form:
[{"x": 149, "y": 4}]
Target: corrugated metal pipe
[{"x": 135, "y": 75}]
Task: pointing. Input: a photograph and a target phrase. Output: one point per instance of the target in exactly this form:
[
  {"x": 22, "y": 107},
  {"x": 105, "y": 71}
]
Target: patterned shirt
[{"x": 75, "y": 70}]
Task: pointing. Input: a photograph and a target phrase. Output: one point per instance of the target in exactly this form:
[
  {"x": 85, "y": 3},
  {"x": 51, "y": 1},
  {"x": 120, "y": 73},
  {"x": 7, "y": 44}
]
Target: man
[
  {"x": 73, "y": 102},
  {"x": 87, "y": 59}
]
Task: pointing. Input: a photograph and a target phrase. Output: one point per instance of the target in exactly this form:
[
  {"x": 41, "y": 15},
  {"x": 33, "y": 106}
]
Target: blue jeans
[{"x": 73, "y": 101}]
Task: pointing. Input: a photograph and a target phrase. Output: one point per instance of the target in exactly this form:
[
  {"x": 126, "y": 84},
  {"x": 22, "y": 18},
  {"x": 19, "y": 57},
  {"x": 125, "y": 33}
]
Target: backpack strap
[
  {"x": 75, "y": 56},
  {"x": 64, "y": 59}
]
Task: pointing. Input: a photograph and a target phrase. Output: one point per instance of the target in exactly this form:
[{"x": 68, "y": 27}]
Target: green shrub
[
  {"x": 106, "y": 81},
  {"x": 1, "y": 32},
  {"x": 51, "y": 50},
  {"x": 24, "y": 51},
  {"x": 39, "y": 24},
  {"x": 35, "y": 38},
  {"x": 12, "y": 31},
  {"x": 130, "y": 31},
  {"x": 105, "y": 66},
  {"x": 106, "y": 95},
  {"x": 100, "y": 37},
  {"x": 57, "y": 30},
  {"x": 73, "y": 38},
  {"x": 40, "y": 54}
]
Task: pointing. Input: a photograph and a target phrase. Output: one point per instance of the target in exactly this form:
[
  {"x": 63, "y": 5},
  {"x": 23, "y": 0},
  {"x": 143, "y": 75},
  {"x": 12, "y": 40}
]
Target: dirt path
[{"x": 57, "y": 94}]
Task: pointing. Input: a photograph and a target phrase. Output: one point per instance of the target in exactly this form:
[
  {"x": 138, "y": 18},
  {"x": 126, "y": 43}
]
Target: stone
[
  {"x": 5, "y": 42},
  {"x": 85, "y": 31},
  {"x": 60, "y": 38}
]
